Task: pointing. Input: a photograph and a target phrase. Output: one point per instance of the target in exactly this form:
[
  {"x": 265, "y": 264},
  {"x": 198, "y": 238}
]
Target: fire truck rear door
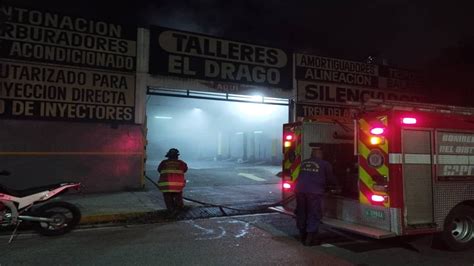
[{"x": 417, "y": 176}]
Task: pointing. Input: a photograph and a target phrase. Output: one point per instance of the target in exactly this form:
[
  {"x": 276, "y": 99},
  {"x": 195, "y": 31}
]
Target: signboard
[
  {"x": 455, "y": 158},
  {"x": 54, "y": 66},
  {"x": 306, "y": 110},
  {"x": 324, "y": 69},
  {"x": 327, "y": 93},
  {"x": 399, "y": 79},
  {"x": 197, "y": 56},
  {"x": 325, "y": 86}
]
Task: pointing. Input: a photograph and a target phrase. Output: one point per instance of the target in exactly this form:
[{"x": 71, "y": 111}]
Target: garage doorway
[{"x": 231, "y": 143}]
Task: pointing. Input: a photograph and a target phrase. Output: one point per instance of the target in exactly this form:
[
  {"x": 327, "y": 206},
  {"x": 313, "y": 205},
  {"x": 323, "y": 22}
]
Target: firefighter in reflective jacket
[
  {"x": 172, "y": 181},
  {"x": 310, "y": 187}
]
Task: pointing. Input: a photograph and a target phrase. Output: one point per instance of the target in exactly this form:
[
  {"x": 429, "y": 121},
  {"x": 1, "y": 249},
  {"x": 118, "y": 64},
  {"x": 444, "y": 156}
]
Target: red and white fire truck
[{"x": 403, "y": 170}]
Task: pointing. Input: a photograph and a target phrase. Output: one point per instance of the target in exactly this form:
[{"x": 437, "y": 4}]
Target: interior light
[
  {"x": 257, "y": 98},
  {"x": 163, "y": 117},
  {"x": 377, "y": 131},
  {"x": 375, "y": 140},
  {"x": 409, "y": 120},
  {"x": 378, "y": 198}
]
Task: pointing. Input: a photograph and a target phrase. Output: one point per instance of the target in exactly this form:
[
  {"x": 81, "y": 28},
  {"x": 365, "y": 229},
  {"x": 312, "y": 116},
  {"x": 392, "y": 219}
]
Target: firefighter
[
  {"x": 172, "y": 181},
  {"x": 309, "y": 189}
]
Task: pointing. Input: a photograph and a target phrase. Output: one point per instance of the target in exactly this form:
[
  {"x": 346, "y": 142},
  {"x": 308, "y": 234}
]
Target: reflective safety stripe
[
  {"x": 171, "y": 172},
  {"x": 170, "y": 190},
  {"x": 395, "y": 158},
  {"x": 417, "y": 159},
  {"x": 170, "y": 183}
]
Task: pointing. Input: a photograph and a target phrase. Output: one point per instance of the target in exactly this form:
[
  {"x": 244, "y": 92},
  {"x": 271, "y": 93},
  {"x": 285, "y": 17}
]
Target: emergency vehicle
[{"x": 403, "y": 169}]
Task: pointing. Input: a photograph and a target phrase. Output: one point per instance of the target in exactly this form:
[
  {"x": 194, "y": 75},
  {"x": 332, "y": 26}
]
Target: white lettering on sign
[
  {"x": 458, "y": 170},
  {"x": 319, "y": 110},
  {"x": 458, "y": 138},
  {"x": 455, "y": 152}
]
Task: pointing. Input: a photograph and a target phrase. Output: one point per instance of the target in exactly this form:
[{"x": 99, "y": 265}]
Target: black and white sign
[
  {"x": 54, "y": 66},
  {"x": 53, "y": 92},
  {"x": 455, "y": 155},
  {"x": 400, "y": 79},
  {"x": 324, "y": 69},
  {"x": 204, "y": 57},
  {"x": 327, "y": 93},
  {"x": 307, "y": 110}
]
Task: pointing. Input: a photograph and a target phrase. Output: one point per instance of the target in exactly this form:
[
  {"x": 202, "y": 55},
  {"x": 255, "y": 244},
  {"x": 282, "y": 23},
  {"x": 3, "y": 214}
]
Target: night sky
[
  {"x": 405, "y": 33},
  {"x": 435, "y": 35}
]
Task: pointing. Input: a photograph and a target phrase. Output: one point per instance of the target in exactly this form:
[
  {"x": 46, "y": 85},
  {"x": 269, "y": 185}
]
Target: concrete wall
[{"x": 101, "y": 157}]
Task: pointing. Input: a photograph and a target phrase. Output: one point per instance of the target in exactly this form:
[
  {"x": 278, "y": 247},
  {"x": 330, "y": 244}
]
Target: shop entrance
[{"x": 231, "y": 143}]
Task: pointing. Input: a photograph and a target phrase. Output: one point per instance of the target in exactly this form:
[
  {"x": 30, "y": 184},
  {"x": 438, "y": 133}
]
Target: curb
[{"x": 112, "y": 217}]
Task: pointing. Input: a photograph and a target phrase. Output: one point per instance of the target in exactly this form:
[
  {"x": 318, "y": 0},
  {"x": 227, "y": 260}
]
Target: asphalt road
[{"x": 245, "y": 240}]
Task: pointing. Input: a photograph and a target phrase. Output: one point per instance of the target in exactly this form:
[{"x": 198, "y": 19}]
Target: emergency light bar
[
  {"x": 378, "y": 198},
  {"x": 409, "y": 120},
  {"x": 377, "y": 131}
]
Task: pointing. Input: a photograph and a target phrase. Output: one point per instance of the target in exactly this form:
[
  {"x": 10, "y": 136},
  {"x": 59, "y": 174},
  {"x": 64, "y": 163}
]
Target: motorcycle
[{"x": 50, "y": 219}]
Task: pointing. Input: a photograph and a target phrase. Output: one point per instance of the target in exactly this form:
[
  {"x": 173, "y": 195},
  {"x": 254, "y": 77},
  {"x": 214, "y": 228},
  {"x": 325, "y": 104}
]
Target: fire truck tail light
[
  {"x": 286, "y": 185},
  {"x": 377, "y": 131},
  {"x": 287, "y": 144},
  {"x": 377, "y": 198},
  {"x": 376, "y": 140},
  {"x": 409, "y": 120},
  {"x": 289, "y": 137}
]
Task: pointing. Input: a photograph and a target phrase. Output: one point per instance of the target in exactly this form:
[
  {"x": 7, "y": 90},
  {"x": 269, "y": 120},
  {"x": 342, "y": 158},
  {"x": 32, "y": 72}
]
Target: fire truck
[{"x": 403, "y": 169}]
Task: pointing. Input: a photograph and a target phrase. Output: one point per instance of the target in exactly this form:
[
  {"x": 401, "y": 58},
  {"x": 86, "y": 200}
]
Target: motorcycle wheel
[{"x": 66, "y": 217}]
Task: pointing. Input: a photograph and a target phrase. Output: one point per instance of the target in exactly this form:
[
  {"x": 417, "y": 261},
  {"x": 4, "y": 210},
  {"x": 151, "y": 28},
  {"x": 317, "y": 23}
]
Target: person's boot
[
  {"x": 303, "y": 236},
  {"x": 312, "y": 240}
]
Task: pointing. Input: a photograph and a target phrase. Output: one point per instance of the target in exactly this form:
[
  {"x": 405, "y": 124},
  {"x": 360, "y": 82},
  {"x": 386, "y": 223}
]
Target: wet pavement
[{"x": 264, "y": 239}]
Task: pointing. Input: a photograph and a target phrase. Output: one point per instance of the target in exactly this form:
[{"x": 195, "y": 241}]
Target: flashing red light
[
  {"x": 378, "y": 198},
  {"x": 286, "y": 185},
  {"x": 377, "y": 131},
  {"x": 289, "y": 137},
  {"x": 409, "y": 120}
]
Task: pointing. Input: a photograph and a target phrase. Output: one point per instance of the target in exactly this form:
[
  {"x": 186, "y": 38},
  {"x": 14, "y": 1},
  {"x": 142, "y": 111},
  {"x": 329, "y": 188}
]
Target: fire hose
[{"x": 222, "y": 207}]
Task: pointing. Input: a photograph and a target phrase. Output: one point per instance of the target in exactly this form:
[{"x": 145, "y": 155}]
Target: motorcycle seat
[{"x": 29, "y": 191}]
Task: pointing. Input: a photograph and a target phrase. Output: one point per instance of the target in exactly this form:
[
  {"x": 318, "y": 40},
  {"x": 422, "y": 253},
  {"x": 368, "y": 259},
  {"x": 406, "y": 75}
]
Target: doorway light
[{"x": 163, "y": 117}]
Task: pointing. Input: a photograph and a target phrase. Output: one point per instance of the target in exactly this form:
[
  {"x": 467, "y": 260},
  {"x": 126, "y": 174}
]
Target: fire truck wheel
[{"x": 458, "y": 231}]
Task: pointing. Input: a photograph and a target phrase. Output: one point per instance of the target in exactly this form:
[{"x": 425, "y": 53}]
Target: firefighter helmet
[{"x": 172, "y": 153}]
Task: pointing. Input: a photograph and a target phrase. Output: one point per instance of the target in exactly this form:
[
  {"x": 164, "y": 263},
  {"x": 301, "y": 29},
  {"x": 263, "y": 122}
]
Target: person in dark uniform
[{"x": 310, "y": 187}]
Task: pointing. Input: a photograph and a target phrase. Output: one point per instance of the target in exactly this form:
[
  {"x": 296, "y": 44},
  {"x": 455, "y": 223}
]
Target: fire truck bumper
[{"x": 359, "y": 229}]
